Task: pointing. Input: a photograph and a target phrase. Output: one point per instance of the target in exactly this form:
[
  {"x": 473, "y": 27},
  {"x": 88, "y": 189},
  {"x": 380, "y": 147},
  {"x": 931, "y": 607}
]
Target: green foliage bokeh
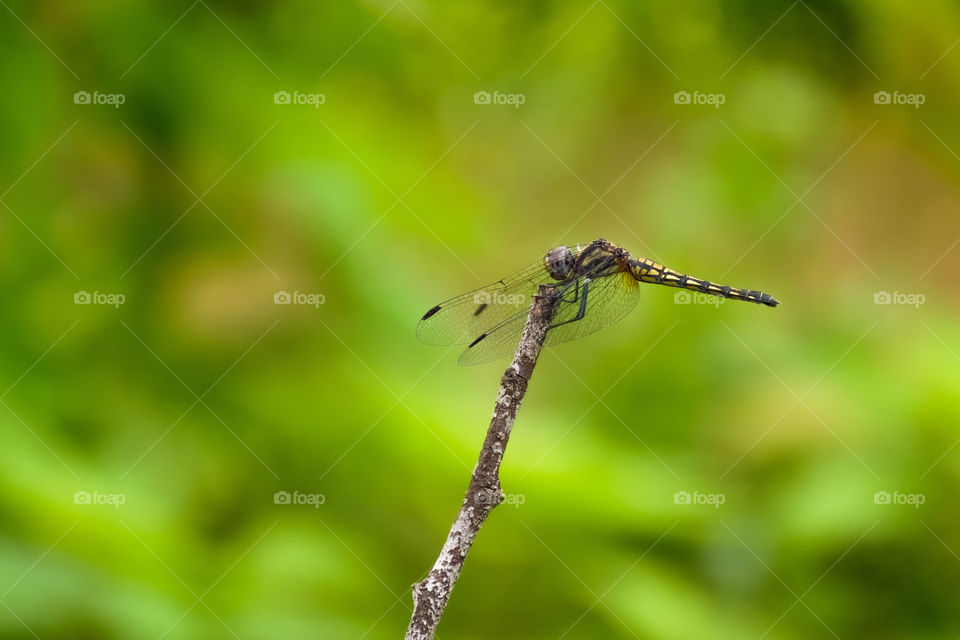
[{"x": 198, "y": 399}]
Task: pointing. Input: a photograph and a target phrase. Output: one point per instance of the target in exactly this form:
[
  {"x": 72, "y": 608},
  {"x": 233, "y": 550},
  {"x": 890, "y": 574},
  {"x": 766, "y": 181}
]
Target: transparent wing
[
  {"x": 462, "y": 319},
  {"x": 608, "y": 299},
  {"x": 498, "y": 342}
]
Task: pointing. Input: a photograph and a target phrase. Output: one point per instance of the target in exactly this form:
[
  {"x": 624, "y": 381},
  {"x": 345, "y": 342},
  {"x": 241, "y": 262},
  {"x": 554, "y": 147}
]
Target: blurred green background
[{"x": 145, "y": 443}]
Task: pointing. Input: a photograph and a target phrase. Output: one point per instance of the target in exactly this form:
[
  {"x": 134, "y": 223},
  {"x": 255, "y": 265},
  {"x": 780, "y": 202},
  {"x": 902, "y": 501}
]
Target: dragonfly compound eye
[{"x": 559, "y": 263}]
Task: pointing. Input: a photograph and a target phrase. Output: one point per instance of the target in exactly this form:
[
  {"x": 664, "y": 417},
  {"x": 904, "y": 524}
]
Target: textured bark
[{"x": 430, "y": 595}]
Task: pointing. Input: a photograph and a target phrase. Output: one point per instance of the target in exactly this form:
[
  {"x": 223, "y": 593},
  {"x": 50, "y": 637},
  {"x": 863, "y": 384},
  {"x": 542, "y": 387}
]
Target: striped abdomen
[{"x": 646, "y": 270}]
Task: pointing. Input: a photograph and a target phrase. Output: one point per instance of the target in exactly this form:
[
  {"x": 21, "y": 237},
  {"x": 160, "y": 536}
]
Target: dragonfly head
[{"x": 559, "y": 263}]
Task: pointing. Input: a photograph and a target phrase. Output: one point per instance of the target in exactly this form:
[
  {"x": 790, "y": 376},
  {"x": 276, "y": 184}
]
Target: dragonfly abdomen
[{"x": 646, "y": 270}]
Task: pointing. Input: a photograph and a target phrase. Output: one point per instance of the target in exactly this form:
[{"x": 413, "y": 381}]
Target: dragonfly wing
[
  {"x": 498, "y": 342},
  {"x": 608, "y": 299},
  {"x": 464, "y": 318}
]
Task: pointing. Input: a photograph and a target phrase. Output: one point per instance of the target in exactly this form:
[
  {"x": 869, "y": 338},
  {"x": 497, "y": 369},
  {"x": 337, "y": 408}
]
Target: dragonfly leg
[
  {"x": 576, "y": 291},
  {"x": 581, "y": 310}
]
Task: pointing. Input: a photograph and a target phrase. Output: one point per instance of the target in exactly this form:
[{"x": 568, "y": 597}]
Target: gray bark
[{"x": 430, "y": 595}]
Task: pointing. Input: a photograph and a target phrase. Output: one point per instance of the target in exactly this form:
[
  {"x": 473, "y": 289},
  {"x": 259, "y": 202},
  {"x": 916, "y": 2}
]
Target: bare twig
[{"x": 430, "y": 595}]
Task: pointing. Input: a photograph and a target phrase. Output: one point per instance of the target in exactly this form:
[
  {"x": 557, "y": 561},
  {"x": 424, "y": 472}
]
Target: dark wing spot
[
  {"x": 474, "y": 343},
  {"x": 430, "y": 313},
  {"x": 480, "y": 309}
]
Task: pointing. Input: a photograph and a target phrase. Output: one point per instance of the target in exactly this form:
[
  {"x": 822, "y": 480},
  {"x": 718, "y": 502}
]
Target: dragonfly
[{"x": 596, "y": 284}]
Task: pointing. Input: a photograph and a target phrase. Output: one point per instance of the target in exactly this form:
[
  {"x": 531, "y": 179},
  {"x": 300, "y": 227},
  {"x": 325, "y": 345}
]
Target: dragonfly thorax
[{"x": 559, "y": 263}]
